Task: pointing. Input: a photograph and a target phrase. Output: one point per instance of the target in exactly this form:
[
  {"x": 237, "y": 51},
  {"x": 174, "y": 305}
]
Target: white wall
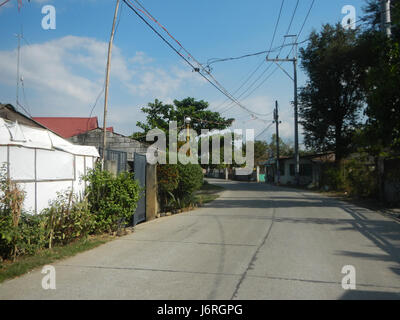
[
  {"x": 287, "y": 178},
  {"x": 43, "y": 173}
]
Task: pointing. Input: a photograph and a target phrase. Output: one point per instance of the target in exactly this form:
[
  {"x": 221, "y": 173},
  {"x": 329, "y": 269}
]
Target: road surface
[{"x": 254, "y": 242}]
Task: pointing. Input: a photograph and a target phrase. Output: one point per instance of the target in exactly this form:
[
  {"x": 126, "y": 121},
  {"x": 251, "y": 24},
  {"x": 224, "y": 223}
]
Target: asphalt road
[{"x": 254, "y": 242}]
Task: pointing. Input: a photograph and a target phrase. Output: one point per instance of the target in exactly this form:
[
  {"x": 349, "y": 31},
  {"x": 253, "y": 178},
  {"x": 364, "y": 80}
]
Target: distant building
[{"x": 310, "y": 169}]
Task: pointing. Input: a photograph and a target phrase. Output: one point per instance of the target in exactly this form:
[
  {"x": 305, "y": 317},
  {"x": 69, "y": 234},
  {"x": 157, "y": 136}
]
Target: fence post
[{"x": 151, "y": 192}]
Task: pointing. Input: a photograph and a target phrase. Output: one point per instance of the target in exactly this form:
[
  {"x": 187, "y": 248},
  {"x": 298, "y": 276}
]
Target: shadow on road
[
  {"x": 383, "y": 232},
  {"x": 369, "y": 295}
]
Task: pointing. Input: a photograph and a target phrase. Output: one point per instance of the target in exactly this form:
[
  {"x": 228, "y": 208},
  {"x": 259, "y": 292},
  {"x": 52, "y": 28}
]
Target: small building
[
  {"x": 120, "y": 148},
  {"x": 310, "y": 169},
  {"x": 39, "y": 161},
  {"x": 86, "y": 131}
]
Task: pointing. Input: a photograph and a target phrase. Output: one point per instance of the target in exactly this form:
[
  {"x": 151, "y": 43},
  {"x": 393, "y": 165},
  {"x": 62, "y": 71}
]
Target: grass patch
[
  {"x": 9, "y": 270},
  {"x": 207, "y": 193},
  {"x": 210, "y": 187}
]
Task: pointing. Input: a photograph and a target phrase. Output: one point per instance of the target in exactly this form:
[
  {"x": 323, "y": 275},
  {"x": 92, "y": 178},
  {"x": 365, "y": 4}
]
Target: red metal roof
[{"x": 68, "y": 127}]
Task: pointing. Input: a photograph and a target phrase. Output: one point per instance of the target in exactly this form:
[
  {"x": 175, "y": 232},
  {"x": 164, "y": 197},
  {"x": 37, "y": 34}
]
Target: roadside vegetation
[
  {"x": 182, "y": 187},
  {"x": 24, "y": 264},
  {"x": 350, "y": 103},
  {"x": 207, "y": 193},
  {"x": 68, "y": 226},
  {"x": 177, "y": 184}
]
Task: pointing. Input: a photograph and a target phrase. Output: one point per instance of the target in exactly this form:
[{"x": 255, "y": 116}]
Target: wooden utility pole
[
  {"x": 277, "y": 122},
  {"x": 296, "y": 112},
  {"x": 110, "y": 45}
]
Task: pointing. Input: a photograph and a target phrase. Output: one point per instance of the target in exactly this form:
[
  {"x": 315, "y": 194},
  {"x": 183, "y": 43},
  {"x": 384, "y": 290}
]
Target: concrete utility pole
[
  {"x": 110, "y": 45},
  {"x": 277, "y": 122},
  {"x": 296, "y": 112},
  {"x": 386, "y": 18}
]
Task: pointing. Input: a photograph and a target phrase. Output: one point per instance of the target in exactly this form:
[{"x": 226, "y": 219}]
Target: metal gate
[
  {"x": 140, "y": 175},
  {"x": 119, "y": 156}
]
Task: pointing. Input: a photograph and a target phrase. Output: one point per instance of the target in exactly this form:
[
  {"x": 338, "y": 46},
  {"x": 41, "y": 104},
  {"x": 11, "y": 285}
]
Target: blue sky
[{"x": 63, "y": 69}]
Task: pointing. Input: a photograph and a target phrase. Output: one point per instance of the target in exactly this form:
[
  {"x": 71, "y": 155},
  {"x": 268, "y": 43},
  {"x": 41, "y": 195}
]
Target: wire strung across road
[
  {"x": 196, "y": 66},
  {"x": 230, "y": 106},
  {"x": 276, "y": 68},
  {"x": 264, "y": 131}
]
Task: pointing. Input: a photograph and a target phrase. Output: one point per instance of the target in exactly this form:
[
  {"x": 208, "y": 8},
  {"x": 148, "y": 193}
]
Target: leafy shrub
[
  {"x": 168, "y": 180},
  {"x": 332, "y": 177},
  {"x": 11, "y": 201},
  {"x": 190, "y": 179},
  {"x": 63, "y": 222},
  {"x": 361, "y": 179},
  {"x": 33, "y": 235},
  {"x": 168, "y": 177},
  {"x": 110, "y": 202},
  {"x": 176, "y": 185},
  {"x": 358, "y": 177},
  {"x": 113, "y": 200},
  {"x": 67, "y": 219}
]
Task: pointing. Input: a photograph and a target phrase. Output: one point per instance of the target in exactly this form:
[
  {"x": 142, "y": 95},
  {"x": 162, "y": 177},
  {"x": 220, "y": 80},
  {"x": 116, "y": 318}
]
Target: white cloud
[
  {"x": 68, "y": 73},
  {"x": 141, "y": 58}
]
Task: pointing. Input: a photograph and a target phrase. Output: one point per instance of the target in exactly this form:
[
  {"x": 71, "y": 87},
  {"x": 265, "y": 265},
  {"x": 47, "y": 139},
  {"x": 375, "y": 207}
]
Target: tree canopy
[
  {"x": 331, "y": 101},
  {"x": 159, "y": 115}
]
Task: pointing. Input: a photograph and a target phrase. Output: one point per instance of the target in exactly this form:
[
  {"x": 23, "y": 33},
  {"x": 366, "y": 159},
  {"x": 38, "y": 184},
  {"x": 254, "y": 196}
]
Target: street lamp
[{"x": 187, "y": 121}]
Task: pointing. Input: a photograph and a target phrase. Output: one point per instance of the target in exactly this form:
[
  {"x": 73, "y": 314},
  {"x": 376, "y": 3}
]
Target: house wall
[
  {"x": 43, "y": 173},
  {"x": 287, "y": 178},
  {"x": 114, "y": 142}
]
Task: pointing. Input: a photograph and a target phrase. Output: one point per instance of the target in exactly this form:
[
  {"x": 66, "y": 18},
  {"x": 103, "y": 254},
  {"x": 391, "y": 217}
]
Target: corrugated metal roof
[
  {"x": 15, "y": 134},
  {"x": 68, "y": 127}
]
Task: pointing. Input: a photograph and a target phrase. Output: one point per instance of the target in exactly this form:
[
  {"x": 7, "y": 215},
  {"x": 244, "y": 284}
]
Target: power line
[
  {"x": 301, "y": 29},
  {"x": 20, "y": 105},
  {"x": 264, "y": 131},
  {"x": 241, "y": 86},
  {"x": 290, "y": 26},
  {"x": 199, "y": 69},
  {"x": 3, "y": 3},
  {"x": 251, "y": 74},
  {"x": 269, "y": 51},
  {"x": 230, "y": 106},
  {"x": 258, "y": 53},
  {"x": 277, "y": 24}
]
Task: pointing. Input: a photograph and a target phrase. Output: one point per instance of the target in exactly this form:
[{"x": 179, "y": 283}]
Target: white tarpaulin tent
[{"x": 43, "y": 163}]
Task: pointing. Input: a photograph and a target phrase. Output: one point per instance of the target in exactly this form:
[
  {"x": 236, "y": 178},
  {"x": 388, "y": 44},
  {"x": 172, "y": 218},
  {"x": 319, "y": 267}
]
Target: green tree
[
  {"x": 261, "y": 153},
  {"x": 158, "y": 115},
  {"x": 381, "y": 58},
  {"x": 285, "y": 149},
  {"x": 373, "y": 16},
  {"x": 331, "y": 101}
]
